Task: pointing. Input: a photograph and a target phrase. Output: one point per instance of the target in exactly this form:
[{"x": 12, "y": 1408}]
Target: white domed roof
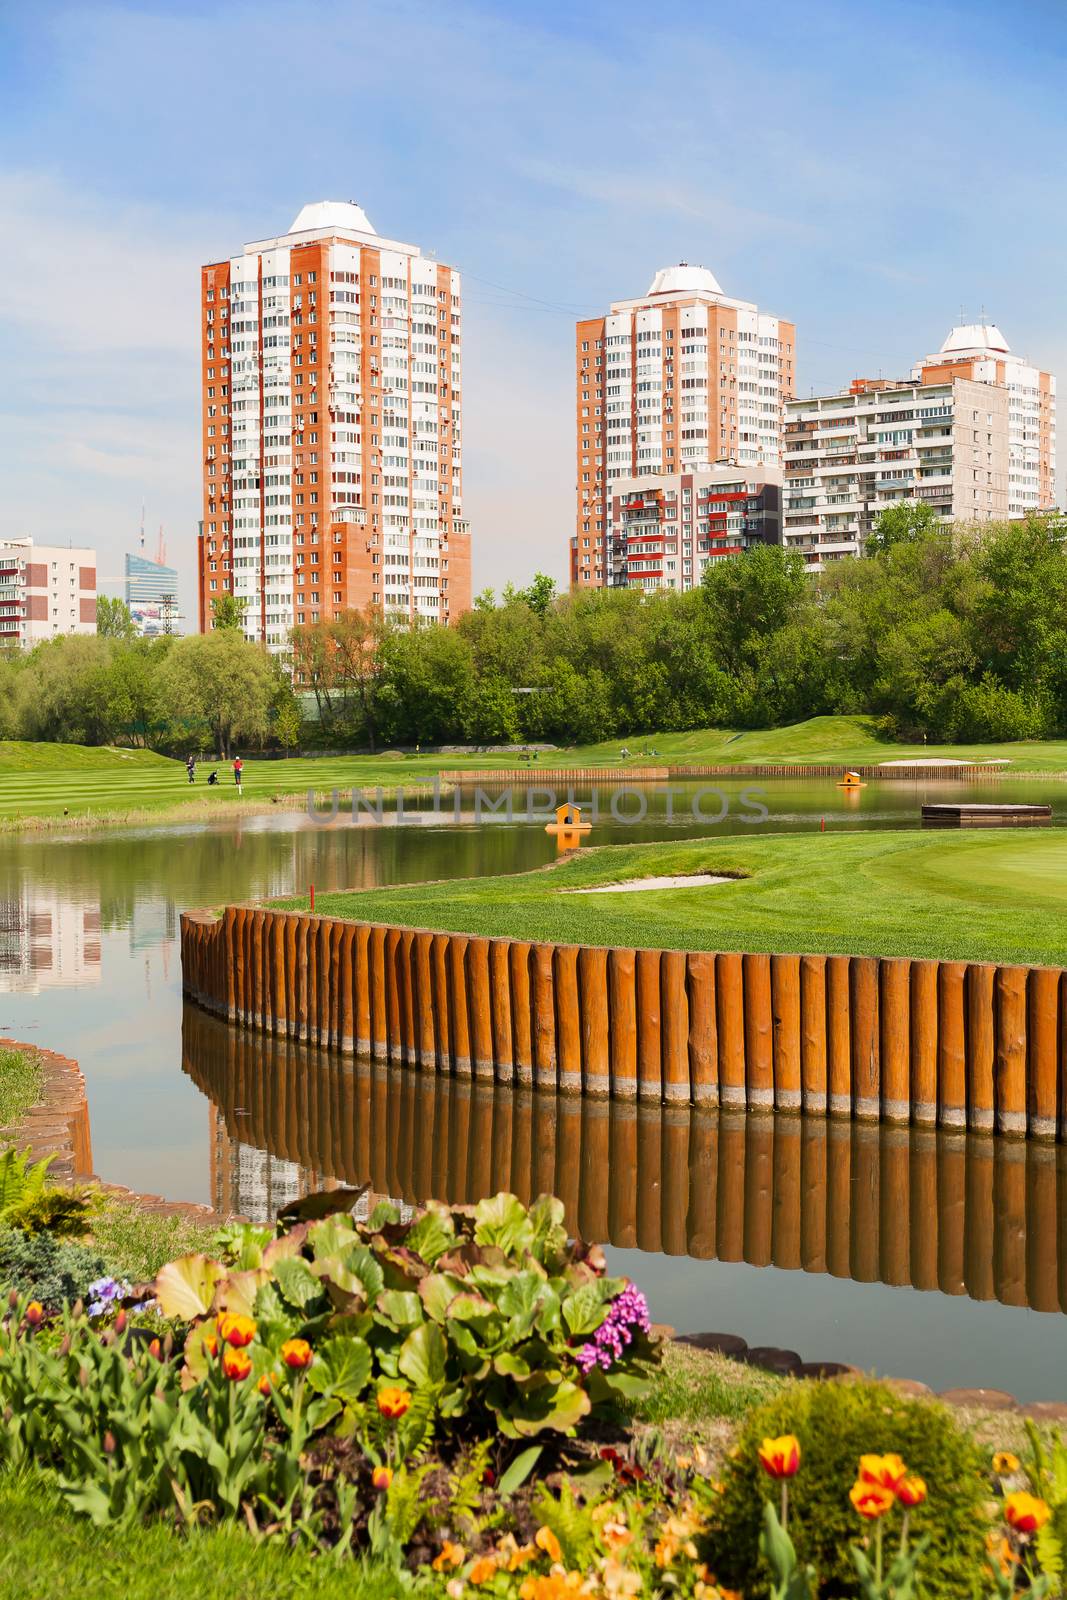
[
  {"x": 684, "y": 279},
  {"x": 976, "y": 336},
  {"x": 344, "y": 215}
]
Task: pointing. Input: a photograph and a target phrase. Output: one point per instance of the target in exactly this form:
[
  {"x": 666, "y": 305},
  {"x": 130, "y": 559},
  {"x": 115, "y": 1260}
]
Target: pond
[{"x": 89, "y": 967}]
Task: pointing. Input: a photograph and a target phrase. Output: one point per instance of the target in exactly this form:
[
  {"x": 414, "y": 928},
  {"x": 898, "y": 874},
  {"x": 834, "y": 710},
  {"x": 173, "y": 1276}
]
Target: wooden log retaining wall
[
  {"x": 954, "y": 1212},
  {"x": 947, "y": 1043},
  {"x": 534, "y": 773}
]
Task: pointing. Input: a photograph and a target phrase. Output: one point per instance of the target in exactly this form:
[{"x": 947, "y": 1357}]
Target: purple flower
[
  {"x": 627, "y": 1313},
  {"x": 103, "y": 1293}
]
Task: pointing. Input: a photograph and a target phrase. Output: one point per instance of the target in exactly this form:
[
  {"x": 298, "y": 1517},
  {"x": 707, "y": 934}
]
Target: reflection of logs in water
[{"x": 961, "y": 1213}]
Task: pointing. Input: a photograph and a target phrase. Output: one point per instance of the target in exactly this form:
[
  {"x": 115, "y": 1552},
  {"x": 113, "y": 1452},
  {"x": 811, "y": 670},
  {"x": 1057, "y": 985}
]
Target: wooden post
[
  {"x": 866, "y": 1067},
  {"x": 951, "y": 1035},
  {"x": 1042, "y": 1051},
  {"x": 521, "y": 1028},
  {"x": 346, "y": 967},
  {"x": 361, "y": 1033},
  {"x": 568, "y": 1019},
  {"x": 1010, "y": 1064},
  {"x": 838, "y": 1036},
  {"x": 759, "y": 1065},
  {"x": 730, "y": 1026},
  {"x": 544, "y": 1017},
  {"x": 978, "y": 989},
  {"x": 593, "y": 1010},
  {"x": 500, "y": 1005},
  {"x": 895, "y": 1039},
  {"x": 379, "y": 1007},
  {"x": 924, "y": 1049},
  {"x": 649, "y": 1027},
  {"x": 785, "y": 1038},
  {"x": 462, "y": 1047},
  {"x": 424, "y": 1003},
  {"x": 813, "y": 1047},
  {"x": 703, "y": 1032},
  {"x": 622, "y": 1019},
  {"x": 393, "y": 1022},
  {"x": 480, "y": 1008},
  {"x": 440, "y": 988},
  {"x": 674, "y": 1010}
]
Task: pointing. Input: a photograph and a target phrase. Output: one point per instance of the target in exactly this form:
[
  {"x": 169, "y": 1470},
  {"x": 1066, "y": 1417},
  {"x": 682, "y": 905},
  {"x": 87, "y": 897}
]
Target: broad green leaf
[
  {"x": 383, "y": 1213},
  {"x": 437, "y": 1291},
  {"x": 502, "y": 1220},
  {"x": 511, "y": 1365},
  {"x": 341, "y": 1367},
  {"x": 402, "y": 1307},
  {"x": 423, "y": 1355},
  {"x": 549, "y": 1232},
  {"x": 237, "y": 1291},
  {"x": 471, "y": 1308},
  {"x": 354, "y": 1272},
  {"x": 517, "y": 1473},
  {"x": 566, "y": 1407},
  {"x": 584, "y": 1310},
  {"x": 432, "y": 1234},
  {"x": 332, "y": 1236},
  {"x": 296, "y": 1281},
  {"x": 186, "y": 1288}
]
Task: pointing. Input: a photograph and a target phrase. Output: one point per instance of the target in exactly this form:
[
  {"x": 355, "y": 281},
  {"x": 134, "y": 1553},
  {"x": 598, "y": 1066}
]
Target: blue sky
[{"x": 863, "y": 169}]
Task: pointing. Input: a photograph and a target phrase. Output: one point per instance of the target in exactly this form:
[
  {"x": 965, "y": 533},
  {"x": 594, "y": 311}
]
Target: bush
[
  {"x": 836, "y": 1423},
  {"x": 41, "y": 1267}
]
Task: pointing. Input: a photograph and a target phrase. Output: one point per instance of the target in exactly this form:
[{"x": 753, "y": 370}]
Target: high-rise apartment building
[
  {"x": 45, "y": 591},
  {"x": 980, "y": 351},
  {"x": 332, "y": 438},
  {"x": 670, "y": 526},
  {"x": 678, "y": 380},
  {"x": 849, "y": 456}
]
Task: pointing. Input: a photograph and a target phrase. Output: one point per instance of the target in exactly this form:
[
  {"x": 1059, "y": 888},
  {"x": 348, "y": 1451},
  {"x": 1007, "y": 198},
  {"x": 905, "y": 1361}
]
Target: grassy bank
[
  {"x": 999, "y": 895},
  {"x": 20, "y": 1084},
  {"x": 52, "y": 785}
]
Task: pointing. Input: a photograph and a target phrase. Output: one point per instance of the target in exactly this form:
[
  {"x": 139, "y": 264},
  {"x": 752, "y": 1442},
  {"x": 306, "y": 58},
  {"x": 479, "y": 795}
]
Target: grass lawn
[
  {"x": 41, "y": 782},
  {"x": 45, "y": 1551},
  {"x": 20, "y": 1084},
  {"x": 135, "y": 1243},
  {"x": 998, "y": 895}
]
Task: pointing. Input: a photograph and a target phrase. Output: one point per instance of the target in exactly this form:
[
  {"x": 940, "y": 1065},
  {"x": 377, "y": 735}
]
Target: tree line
[{"x": 952, "y": 632}]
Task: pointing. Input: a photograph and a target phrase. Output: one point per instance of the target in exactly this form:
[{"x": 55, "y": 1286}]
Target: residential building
[
  {"x": 151, "y": 594},
  {"x": 678, "y": 380},
  {"x": 980, "y": 351},
  {"x": 332, "y": 437},
  {"x": 850, "y": 455},
  {"x": 47, "y": 940},
  {"x": 45, "y": 590},
  {"x": 670, "y": 526}
]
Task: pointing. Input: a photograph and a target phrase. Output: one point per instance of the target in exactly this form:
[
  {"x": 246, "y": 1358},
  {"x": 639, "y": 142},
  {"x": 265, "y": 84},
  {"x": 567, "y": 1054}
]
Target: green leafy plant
[
  {"x": 29, "y": 1202},
  {"x": 835, "y": 1424},
  {"x": 485, "y": 1313},
  {"x": 40, "y": 1267}
]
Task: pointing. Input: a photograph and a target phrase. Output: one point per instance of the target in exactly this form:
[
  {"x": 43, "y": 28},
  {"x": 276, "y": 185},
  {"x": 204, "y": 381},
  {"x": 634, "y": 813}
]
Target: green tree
[
  {"x": 113, "y": 620},
  {"x": 228, "y": 611},
  {"x": 220, "y": 683},
  {"x": 904, "y": 523},
  {"x": 541, "y": 594},
  {"x": 288, "y": 725}
]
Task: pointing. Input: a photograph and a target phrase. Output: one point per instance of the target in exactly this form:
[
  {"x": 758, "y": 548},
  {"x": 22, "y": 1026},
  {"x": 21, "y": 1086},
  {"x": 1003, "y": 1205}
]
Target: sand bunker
[{"x": 692, "y": 880}]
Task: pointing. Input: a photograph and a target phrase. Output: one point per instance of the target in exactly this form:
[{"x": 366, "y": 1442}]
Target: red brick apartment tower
[
  {"x": 681, "y": 379},
  {"x": 332, "y": 435},
  {"x": 979, "y": 351}
]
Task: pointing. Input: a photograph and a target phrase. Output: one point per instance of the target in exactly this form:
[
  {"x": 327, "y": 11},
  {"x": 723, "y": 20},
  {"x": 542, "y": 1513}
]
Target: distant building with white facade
[
  {"x": 683, "y": 378},
  {"x": 667, "y": 527},
  {"x": 851, "y": 455},
  {"x": 45, "y": 591},
  {"x": 980, "y": 351}
]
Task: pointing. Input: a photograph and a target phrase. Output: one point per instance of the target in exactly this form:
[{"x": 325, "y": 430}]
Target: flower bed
[{"x": 450, "y": 1396}]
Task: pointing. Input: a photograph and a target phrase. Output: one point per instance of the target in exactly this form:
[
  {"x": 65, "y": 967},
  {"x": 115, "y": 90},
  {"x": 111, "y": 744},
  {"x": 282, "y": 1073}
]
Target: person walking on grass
[
  {"x": 190, "y": 767},
  {"x": 238, "y": 766}
]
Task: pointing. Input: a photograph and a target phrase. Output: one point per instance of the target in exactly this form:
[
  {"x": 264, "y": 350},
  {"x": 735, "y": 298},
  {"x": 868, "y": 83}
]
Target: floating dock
[{"x": 994, "y": 815}]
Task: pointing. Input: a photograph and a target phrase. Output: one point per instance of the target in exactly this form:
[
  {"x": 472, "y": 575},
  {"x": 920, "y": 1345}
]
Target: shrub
[
  {"x": 836, "y": 1423},
  {"x": 40, "y": 1267}
]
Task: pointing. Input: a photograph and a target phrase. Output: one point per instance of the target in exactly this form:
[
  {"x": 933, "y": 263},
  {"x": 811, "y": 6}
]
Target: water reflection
[
  {"x": 964, "y": 1215},
  {"x": 48, "y": 941}
]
